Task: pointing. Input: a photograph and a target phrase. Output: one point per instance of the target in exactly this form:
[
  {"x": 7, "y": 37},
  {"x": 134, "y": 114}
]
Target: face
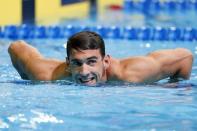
[{"x": 88, "y": 67}]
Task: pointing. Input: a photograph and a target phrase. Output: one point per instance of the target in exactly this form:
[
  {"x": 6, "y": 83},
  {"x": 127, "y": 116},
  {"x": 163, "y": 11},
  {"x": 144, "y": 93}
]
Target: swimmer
[{"x": 86, "y": 63}]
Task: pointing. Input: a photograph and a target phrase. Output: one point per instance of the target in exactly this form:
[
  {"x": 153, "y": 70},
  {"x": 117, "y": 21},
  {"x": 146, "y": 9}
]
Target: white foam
[
  {"x": 42, "y": 117},
  {"x": 32, "y": 122},
  {"x": 18, "y": 117}
]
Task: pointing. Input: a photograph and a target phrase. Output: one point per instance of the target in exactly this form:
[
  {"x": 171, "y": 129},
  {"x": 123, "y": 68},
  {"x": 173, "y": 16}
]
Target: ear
[{"x": 106, "y": 61}]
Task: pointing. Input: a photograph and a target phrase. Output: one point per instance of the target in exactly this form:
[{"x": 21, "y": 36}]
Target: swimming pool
[{"x": 63, "y": 105}]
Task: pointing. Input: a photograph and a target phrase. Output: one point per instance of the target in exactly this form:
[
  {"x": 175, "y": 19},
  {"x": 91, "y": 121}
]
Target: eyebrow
[
  {"x": 93, "y": 57},
  {"x": 89, "y": 58}
]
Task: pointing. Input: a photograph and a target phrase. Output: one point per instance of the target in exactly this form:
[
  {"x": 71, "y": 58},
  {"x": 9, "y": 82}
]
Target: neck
[{"x": 104, "y": 76}]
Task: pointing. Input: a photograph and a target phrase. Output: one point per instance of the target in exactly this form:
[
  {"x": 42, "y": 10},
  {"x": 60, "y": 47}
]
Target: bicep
[
  {"x": 21, "y": 54},
  {"x": 174, "y": 62},
  {"x": 45, "y": 69}
]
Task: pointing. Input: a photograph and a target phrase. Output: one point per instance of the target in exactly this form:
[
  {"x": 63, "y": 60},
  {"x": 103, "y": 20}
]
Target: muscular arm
[
  {"x": 30, "y": 64},
  {"x": 157, "y": 65}
]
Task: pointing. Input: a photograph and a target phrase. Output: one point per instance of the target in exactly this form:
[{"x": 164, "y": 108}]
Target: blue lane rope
[
  {"x": 113, "y": 32},
  {"x": 147, "y": 6}
]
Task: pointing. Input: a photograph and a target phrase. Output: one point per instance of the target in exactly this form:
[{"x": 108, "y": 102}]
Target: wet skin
[{"x": 89, "y": 67}]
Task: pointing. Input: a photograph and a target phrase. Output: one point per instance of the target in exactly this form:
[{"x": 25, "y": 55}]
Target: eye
[
  {"x": 76, "y": 63},
  {"x": 91, "y": 62}
]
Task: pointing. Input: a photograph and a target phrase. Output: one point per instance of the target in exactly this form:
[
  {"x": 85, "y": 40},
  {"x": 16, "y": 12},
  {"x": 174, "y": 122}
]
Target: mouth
[{"x": 88, "y": 81}]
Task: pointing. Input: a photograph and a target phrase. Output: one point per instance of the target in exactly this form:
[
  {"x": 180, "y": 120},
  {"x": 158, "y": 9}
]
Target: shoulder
[
  {"x": 137, "y": 62},
  {"x": 134, "y": 69},
  {"x": 176, "y": 51},
  {"x": 62, "y": 71},
  {"x": 138, "y": 69}
]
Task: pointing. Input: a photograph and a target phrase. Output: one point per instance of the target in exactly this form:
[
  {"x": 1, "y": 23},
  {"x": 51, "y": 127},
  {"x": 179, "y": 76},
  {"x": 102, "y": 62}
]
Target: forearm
[
  {"x": 182, "y": 64},
  {"x": 186, "y": 66},
  {"x": 174, "y": 63}
]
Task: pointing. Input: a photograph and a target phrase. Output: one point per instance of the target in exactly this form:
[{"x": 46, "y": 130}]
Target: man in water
[{"x": 88, "y": 64}]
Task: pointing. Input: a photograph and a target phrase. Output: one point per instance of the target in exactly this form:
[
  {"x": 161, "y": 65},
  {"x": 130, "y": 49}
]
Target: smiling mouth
[{"x": 86, "y": 81}]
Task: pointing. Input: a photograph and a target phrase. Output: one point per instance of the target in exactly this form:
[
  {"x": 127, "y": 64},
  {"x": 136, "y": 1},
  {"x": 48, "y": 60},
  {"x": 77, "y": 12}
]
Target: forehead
[{"x": 81, "y": 54}]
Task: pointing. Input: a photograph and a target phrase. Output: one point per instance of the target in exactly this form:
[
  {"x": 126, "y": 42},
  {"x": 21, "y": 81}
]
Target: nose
[{"x": 84, "y": 70}]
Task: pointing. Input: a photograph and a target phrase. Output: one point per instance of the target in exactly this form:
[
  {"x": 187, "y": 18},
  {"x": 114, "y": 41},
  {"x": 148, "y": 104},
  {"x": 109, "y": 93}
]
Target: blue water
[{"x": 63, "y": 105}]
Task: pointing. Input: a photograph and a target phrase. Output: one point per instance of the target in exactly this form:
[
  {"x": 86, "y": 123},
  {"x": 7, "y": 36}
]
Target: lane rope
[{"x": 112, "y": 32}]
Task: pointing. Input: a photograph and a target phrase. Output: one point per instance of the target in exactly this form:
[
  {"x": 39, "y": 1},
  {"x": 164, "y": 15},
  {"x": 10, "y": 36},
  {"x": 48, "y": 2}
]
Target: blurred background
[
  {"x": 44, "y": 12},
  {"x": 49, "y": 12}
]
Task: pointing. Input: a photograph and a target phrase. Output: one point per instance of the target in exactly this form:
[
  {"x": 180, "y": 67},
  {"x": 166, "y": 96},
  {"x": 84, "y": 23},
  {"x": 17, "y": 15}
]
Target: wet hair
[{"x": 86, "y": 40}]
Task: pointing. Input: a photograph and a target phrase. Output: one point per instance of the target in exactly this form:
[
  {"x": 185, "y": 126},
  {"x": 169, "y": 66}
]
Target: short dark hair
[{"x": 86, "y": 40}]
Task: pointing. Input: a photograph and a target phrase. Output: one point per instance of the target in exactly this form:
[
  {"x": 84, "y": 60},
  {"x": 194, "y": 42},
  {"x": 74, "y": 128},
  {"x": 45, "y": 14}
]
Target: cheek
[{"x": 100, "y": 67}]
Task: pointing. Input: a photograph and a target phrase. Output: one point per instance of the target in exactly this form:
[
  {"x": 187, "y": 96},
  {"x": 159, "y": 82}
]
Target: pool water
[{"x": 64, "y": 105}]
